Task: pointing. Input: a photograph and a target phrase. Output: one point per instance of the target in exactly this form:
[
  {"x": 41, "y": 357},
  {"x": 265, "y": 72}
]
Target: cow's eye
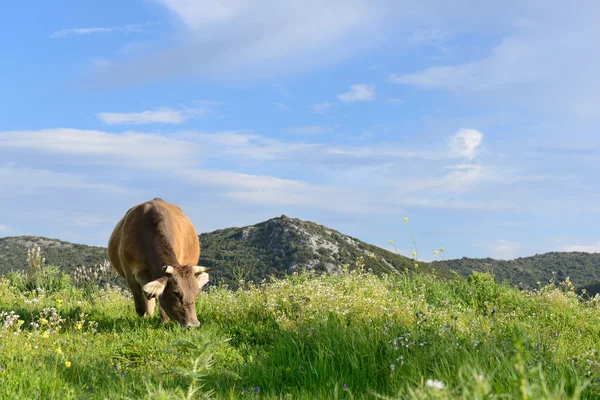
[{"x": 177, "y": 294}]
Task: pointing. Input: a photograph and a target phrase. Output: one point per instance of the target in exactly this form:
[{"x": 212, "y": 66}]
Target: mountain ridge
[
  {"x": 284, "y": 245},
  {"x": 275, "y": 247},
  {"x": 582, "y": 268}
]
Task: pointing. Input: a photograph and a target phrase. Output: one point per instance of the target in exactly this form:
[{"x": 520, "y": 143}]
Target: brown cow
[{"x": 155, "y": 248}]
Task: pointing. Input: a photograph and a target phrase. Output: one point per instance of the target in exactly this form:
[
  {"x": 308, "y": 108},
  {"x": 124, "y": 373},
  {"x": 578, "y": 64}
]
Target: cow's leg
[{"x": 140, "y": 300}]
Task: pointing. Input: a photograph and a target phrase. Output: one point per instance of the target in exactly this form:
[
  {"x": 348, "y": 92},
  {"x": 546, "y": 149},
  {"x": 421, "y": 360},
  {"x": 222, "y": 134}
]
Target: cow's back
[{"x": 150, "y": 235}]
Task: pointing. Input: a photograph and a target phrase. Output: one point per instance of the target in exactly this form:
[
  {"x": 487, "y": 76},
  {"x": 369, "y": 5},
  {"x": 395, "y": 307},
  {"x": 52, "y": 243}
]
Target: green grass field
[{"x": 354, "y": 335}]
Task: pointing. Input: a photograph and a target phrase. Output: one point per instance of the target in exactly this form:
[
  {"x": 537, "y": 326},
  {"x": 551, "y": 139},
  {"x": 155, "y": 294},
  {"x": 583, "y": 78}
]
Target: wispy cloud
[
  {"x": 322, "y": 107},
  {"x": 130, "y": 28},
  {"x": 585, "y": 248},
  {"x": 503, "y": 250},
  {"x": 309, "y": 130},
  {"x": 376, "y": 67},
  {"x": 233, "y": 163},
  {"x": 428, "y": 36},
  {"x": 129, "y": 148},
  {"x": 358, "y": 92},
  {"x": 394, "y": 100},
  {"x": 158, "y": 116},
  {"x": 38, "y": 181},
  {"x": 282, "y": 106},
  {"x": 228, "y": 40},
  {"x": 527, "y": 67}
]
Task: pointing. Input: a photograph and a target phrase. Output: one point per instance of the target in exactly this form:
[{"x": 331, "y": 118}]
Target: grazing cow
[{"x": 156, "y": 248}]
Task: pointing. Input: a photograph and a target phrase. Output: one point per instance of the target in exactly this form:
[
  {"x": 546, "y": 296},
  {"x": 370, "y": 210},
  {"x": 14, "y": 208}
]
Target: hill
[
  {"x": 582, "y": 268},
  {"x": 13, "y": 253},
  {"x": 285, "y": 245},
  {"x": 276, "y": 247}
]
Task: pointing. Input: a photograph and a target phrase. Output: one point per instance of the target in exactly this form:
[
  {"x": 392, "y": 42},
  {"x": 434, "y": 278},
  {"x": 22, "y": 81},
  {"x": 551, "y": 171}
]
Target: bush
[
  {"x": 49, "y": 279},
  {"x": 39, "y": 276}
]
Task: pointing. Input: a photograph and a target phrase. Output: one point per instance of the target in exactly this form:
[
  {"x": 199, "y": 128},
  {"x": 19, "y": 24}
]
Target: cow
[{"x": 156, "y": 248}]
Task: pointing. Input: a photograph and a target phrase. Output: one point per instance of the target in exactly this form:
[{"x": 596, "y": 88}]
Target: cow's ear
[
  {"x": 202, "y": 279},
  {"x": 155, "y": 288}
]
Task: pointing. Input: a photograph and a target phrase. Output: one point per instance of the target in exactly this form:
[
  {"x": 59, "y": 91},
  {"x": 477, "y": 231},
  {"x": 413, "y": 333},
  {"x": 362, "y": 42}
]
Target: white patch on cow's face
[{"x": 156, "y": 287}]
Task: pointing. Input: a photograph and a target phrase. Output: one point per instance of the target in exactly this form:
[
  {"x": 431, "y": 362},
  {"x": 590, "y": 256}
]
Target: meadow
[{"x": 350, "y": 336}]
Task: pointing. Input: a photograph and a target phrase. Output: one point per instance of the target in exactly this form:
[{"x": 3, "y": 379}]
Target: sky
[{"x": 478, "y": 121}]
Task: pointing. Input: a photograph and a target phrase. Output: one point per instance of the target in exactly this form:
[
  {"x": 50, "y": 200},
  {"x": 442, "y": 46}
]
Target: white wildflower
[{"x": 434, "y": 383}]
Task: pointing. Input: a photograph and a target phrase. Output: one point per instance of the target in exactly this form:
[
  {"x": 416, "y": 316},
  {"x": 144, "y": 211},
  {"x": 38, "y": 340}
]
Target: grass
[{"x": 351, "y": 336}]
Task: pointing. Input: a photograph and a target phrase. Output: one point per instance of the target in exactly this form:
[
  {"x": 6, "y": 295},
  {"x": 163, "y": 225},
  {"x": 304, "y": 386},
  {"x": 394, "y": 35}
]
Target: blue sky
[{"x": 478, "y": 122}]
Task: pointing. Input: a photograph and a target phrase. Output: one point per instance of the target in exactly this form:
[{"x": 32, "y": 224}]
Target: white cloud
[
  {"x": 183, "y": 155},
  {"x": 394, "y": 100},
  {"x": 282, "y": 106},
  {"x": 228, "y": 39},
  {"x": 158, "y": 116},
  {"x": 547, "y": 63},
  {"x": 87, "y": 220},
  {"x": 421, "y": 37},
  {"x": 464, "y": 166},
  {"x": 128, "y": 148},
  {"x": 585, "y": 248},
  {"x": 32, "y": 181},
  {"x": 466, "y": 142},
  {"x": 322, "y": 107},
  {"x": 358, "y": 92},
  {"x": 503, "y": 250},
  {"x": 376, "y": 67},
  {"x": 309, "y": 130},
  {"x": 66, "y": 33}
]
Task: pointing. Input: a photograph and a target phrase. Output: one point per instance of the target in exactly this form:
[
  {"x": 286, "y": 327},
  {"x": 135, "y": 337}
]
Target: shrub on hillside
[{"x": 39, "y": 276}]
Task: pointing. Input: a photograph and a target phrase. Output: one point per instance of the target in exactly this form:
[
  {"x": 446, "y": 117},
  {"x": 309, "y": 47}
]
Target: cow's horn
[
  {"x": 168, "y": 269},
  {"x": 199, "y": 269}
]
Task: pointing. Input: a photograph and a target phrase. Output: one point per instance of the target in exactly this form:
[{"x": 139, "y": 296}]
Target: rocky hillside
[
  {"x": 275, "y": 247},
  {"x": 582, "y": 268},
  {"x": 285, "y": 245}
]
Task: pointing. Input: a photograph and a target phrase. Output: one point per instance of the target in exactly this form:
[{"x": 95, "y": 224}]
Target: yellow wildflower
[
  {"x": 43, "y": 321},
  {"x": 79, "y": 325},
  {"x": 416, "y": 265},
  {"x": 441, "y": 249},
  {"x": 45, "y": 334},
  {"x": 414, "y": 253},
  {"x": 405, "y": 219},
  {"x": 390, "y": 241},
  {"x": 435, "y": 253},
  {"x": 59, "y": 301},
  {"x": 68, "y": 364},
  {"x": 372, "y": 255},
  {"x": 58, "y": 351}
]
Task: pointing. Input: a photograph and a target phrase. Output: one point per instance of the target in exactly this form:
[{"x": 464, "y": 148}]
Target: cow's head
[{"x": 177, "y": 291}]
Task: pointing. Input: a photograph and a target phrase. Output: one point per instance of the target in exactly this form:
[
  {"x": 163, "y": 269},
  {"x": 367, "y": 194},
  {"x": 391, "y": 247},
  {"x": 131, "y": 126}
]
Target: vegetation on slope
[
  {"x": 284, "y": 245},
  {"x": 581, "y": 268},
  {"x": 352, "y": 335},
  {"x": 276, "y": 247},
  {"x": 13, "y": 253}
]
